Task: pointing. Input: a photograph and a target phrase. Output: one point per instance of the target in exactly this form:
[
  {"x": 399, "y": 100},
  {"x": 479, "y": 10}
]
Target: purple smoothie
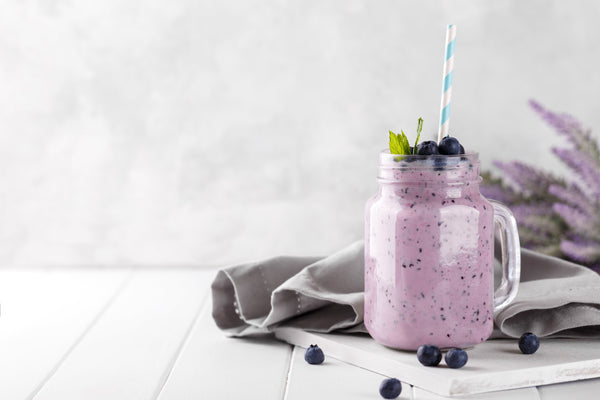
[{"x": 429, "y": 253}]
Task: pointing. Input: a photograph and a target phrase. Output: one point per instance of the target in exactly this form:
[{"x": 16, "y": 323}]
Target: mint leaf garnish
[
  {"x": 419, "y": 129},
  {"x": 399, "y": 141},
  {"x": 405, "y": 145},
  {"x": 395, "y": 147}
]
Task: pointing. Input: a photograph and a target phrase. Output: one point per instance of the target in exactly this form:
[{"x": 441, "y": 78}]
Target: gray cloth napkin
[{"x": 323, "y": 294}]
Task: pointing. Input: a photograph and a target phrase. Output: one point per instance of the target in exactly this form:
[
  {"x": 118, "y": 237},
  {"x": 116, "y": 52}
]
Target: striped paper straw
[{"x": 447, "y": 88}]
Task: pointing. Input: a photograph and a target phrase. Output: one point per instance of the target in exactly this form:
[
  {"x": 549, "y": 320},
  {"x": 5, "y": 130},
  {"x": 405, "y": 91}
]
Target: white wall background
[{"x": 206, "y": 132}]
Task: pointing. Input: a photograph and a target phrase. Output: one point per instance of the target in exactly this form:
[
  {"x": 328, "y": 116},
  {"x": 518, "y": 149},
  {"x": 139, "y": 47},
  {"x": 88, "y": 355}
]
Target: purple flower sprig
[{"x": 556, "y": 216}]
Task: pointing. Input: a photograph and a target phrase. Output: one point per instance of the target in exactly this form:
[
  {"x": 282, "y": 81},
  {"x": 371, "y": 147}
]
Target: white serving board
[{"x": 493, "y": 365}]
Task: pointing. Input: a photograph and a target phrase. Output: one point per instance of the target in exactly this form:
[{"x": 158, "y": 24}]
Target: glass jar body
[{"x": 429, "y": 254}]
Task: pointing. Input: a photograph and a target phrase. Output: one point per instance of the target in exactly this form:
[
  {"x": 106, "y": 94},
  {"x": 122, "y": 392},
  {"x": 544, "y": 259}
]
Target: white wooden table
[{"x": 135, "y": 333}]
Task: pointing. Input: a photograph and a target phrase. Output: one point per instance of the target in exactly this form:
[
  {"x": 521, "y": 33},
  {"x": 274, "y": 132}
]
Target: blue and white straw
[{"x": 447, "y": 88}]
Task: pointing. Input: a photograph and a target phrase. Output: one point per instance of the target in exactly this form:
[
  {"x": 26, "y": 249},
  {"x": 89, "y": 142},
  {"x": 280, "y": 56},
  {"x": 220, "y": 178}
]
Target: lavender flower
[
  {"x": 588, "y": 173},
  {"x": 578, "y": 221},
  {"x": 573, "y": 195},
  {"x": 527, "y": 178},
  {"x": 571, "y": 128},
  {"x": 563, "y": 123},
  {"x": 555, "y": 216}
]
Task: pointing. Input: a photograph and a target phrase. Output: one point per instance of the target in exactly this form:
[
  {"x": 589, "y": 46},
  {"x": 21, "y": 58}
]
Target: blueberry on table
[
  {"x": 462, "y": 149},
  {"x": 449, "y": 146},
  {"x": 427, "y": 148},
  {"x": 314, "y": 355},
  {"x": 529, "y": 343},
  {"x": 390, "y": 388},
  {"x": 429, "y": 355},
  {"x": 456, "y": 358}
]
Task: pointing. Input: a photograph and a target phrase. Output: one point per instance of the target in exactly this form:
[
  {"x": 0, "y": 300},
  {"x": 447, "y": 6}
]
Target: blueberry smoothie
[{"x": 429, "y": 253}]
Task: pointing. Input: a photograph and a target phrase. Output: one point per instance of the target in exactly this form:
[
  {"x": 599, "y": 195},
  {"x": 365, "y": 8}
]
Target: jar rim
[
  {"x": 385, "y": 154},
  {"x": 456, "y": 169}
]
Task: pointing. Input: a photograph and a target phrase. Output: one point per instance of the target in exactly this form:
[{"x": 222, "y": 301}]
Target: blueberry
[
  {"x": 529, "y": 343},
  {"x": 429, "y": 355},
  {"x": 449, "y": 146},
  {"x": 314, "y": 355},
  {"x": 462, "y": 149},
  {"x": 390, "y": 388},
  {"x": 427, "y": 148},
  {"x": 456, "y": 358}
]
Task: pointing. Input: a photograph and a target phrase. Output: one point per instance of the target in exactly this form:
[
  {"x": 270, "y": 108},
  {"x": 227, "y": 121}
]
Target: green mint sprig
[{"x": 399, "y": 141}]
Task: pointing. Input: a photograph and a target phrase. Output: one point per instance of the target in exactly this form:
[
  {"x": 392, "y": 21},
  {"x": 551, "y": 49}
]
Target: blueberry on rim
[
  {"x": 427, "y": 148},
  {"x": 449, "y": 146}
]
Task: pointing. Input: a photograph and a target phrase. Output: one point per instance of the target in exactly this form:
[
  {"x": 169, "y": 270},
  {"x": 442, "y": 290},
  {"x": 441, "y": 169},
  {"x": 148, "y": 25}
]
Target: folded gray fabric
[
  {"x": 555, "y": 298},
  {"x": 323, "y": 294}
]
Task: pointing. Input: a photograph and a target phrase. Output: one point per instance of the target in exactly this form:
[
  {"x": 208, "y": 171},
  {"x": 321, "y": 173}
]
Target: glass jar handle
[{"x": 511, "y": 256}]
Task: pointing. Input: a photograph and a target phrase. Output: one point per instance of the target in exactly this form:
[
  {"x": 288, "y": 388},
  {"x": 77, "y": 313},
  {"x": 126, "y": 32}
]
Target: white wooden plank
[
  {"x": 588, "y": 389},
  {"x": 493, "y": 365},
  {"x": 131, "y": 349},
  {"x": 212, "y": 366},
  {"x": 334, "y": 379},
  {"x": 44, "y": 314}
]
